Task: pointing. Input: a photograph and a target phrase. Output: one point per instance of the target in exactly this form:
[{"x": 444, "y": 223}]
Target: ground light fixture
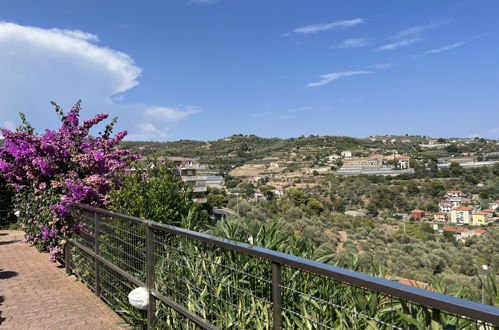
[{"x": 139, "y": 298}]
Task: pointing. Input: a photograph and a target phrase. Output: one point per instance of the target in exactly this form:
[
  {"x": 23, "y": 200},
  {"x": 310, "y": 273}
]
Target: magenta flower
[{"x": 59, "y": 169}]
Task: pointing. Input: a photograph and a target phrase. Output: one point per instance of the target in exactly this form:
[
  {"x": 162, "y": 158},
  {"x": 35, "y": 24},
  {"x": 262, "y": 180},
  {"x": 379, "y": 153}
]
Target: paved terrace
[{"x": 36, "y": 294}]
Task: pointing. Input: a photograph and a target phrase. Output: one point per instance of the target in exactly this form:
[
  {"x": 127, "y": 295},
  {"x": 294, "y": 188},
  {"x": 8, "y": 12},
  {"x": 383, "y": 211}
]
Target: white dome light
[{"x": 139, "y": 298}]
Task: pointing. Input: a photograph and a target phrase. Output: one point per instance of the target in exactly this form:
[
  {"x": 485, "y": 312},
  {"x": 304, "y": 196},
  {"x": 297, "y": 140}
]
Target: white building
[
  {"x": 330, "y": 158},
  {"x": 456, "y": 202},
  {"x": 346, "y": 154},
  {"x": 404, "y": 162},
  {"x": 494, "y": 205},
  {"x": 445, "y": 206},
  {"x": 274, "y": 164},
  {"x": 454, "y": 193}
]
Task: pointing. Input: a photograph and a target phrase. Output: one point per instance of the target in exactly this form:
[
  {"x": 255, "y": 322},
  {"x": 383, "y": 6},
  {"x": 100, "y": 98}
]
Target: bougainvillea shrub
[{"x": 53, "y": 171}]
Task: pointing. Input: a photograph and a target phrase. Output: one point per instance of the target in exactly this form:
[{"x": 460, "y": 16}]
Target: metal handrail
[{"x": 434, "y": 300}]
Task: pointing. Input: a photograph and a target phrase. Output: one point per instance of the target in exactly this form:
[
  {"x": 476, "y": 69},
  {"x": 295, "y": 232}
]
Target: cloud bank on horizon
[{"x": 39, "y": 65}]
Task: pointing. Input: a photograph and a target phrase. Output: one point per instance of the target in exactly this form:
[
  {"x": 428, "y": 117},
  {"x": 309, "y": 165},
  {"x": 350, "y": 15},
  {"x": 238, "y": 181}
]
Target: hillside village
[{"x": 254, "y": 169}]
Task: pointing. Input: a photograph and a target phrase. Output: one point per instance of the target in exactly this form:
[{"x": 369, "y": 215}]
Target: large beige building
[{"x": 461, "y": 215}]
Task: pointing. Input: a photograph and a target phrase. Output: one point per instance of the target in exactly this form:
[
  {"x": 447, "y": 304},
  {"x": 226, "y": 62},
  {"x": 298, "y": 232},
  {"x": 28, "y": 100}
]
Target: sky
[{"x": 207, "y": 69}]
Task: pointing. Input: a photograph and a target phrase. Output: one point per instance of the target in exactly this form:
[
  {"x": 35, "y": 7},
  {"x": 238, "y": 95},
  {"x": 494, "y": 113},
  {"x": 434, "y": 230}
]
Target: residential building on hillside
[
  {"x": 330, "y": 158},
  {"x": 478, "y": 218},
  {"x": 456, "y": 201},
  {"x": 494, "y": 205},
  {"x": 454, "y": 193},
  {"x": 274, "y": 164},
  {"x": 279, "y": 192},
  {"x": 417, "y": 214},
  {"x": 404, "y": 162},
  {"x": 445, "y": 206},
  {"x": 186, "y": 166},
  {"x": 346, "y": 154},
  {"x": 461, "y": 215},
  {"x": 440, "y": 217},
  {"x": 489, "y": 212},
  {"x": 215, "y": 181},
  {"x": 461, "y": 233},
  {"x": 188, "y": 170}
]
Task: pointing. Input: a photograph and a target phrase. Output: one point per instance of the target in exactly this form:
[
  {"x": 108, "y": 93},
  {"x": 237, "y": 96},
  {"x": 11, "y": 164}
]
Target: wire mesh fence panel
[
  {"x": 226, "y": 288},
  {"x": 86, "y": 233},
  {"x": 7, "y": 219},
  {"x": 167, "y": 318},
  {"x": 83, "y": 266},
  {"x": 123, "y": 243},
  {"x": 310, "y": 301},
  {"x": 196, "y": 281}
]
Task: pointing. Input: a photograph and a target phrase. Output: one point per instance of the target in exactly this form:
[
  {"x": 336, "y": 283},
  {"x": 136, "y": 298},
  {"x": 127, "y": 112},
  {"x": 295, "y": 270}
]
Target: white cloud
[
  {"x": 147, "y": 132},
  {"x": 302, "y": 108},
  {"x": 170, "y": 115},
  {"x": 284, "y": 117},
  {"x": 401, "y": 43},
  {"x": 327, "y": 78},
  {"x": 380, "y": 66},
  {"x": 39, "y": 65},
  {"x": 203, "y": 2},
  {"x": 353, "y": 43},
  {"x": 314, "y": 28},
  {"x": 77, "y": 34},
  {"x": 8, "y": 124},
  {"x": 410, "y": 36},
  {"x": 417, "y": 30},
  {"x": 70, "y": 49},
  {"x": 260, "y": 115},
  {"x": 444, "y": 49}
]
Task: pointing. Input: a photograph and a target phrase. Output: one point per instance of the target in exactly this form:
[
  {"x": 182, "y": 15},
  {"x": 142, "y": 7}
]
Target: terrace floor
[{"x": 37, "y": 294}]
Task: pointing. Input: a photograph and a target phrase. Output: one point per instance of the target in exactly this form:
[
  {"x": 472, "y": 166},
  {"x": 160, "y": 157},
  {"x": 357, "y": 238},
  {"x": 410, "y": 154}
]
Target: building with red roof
[
  {"x": 463, "y": 233},
  {"x": 417, "y": 214},
  {"x": 461, "y": 215}
]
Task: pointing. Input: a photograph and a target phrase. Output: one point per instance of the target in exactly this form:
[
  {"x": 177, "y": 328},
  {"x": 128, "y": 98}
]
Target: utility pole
[
  {"x": 237, "y": 203},
  {"x": 485, "y": 268}
]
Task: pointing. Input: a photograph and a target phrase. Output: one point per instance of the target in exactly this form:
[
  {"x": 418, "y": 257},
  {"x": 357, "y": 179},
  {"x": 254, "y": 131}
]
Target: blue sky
[{"x": 206, "y": 69}]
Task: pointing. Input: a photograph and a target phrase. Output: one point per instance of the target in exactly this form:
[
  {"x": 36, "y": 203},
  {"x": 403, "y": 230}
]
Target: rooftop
[{"x": 462, "y": 208}]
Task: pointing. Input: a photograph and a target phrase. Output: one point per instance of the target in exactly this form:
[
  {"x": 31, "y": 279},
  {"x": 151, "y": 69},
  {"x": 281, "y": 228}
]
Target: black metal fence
[
  {"x": 7, "y": 217},
  {"x": 196, "y": 280}
]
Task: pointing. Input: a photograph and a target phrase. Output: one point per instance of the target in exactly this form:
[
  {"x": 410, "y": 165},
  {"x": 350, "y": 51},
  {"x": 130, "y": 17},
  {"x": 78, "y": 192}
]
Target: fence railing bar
[
  {"x": 180, "y": 309},
  {"x": 453, "y": 305},
  {"x": 109, "y": 264}
]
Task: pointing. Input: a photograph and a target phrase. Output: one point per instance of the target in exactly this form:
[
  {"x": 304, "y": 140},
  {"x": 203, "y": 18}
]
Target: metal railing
[
  {"x": 196, "y": 280},
  {"x": 7, "y": 218}
]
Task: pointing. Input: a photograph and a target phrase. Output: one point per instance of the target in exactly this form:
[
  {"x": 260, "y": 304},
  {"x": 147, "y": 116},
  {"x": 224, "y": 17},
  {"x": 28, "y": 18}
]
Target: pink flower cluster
[{"x": 70, "y": 163}]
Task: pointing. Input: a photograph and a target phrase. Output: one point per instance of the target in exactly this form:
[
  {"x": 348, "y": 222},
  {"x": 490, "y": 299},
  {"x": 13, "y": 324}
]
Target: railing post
[
  {"x": 67, "y": 255},
  {"x": 276, "y": 295},
  {"x": 150, "y": 277},
  {"x": 96, "y": 250}
]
